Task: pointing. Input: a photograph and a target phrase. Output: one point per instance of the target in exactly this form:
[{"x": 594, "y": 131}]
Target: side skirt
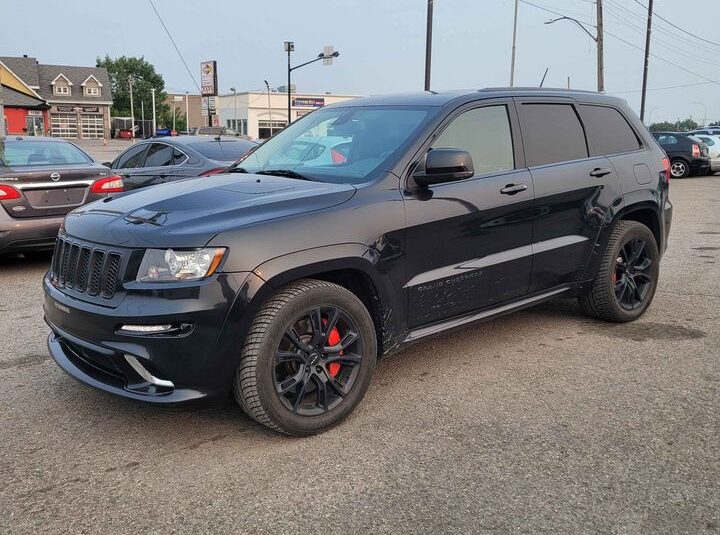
[{"x": 429, "y": 330}]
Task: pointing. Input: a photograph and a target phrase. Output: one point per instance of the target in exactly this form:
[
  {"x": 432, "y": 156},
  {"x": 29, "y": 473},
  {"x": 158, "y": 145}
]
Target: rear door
[{"x": 573, "y": 190}]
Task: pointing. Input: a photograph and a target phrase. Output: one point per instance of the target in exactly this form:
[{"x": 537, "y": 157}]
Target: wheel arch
[{"x": 647, "y": 213}]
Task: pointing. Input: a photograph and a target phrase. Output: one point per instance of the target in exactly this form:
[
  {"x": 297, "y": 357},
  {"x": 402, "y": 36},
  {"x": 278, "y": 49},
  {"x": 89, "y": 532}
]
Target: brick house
[{"x": 74, "y": 102}]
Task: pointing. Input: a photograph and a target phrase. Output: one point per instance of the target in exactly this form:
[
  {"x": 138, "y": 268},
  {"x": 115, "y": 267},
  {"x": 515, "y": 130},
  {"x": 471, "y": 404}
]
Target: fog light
[{"x": 148, "y": 329}]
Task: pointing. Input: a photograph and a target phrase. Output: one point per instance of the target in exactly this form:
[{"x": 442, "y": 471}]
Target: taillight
[
  {"x": 696, "y": 150},
  {"x": 109, "y": 184},
  {"x": 215, "y": 171},
  {"x": 666, "y": 166},
  {"x": 8, "y": 193}
]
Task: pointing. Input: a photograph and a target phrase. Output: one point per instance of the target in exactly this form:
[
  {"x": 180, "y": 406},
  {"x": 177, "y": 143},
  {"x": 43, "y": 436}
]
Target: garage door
[
  {"x": 64, "y": 125},
  {"x": 92, "y": 126}
]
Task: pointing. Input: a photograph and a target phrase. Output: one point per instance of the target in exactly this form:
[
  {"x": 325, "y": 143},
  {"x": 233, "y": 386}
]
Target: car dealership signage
[
  {"x": 308, "y": 102},
  {"x": 208, "y": 78}
]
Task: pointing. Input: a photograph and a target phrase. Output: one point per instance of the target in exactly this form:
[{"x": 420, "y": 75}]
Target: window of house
[
  {"x": 92, "y": 91},
  {"x": 62, "y": 90},
  {"x": 552, "y": 133},
  {"x": 485, "y": 134},
  {"x": 608, "y": 131}
]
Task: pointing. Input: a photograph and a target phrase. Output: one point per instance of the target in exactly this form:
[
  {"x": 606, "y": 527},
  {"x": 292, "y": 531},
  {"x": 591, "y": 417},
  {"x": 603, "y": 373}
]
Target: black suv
[
  {"x": 688, "y": 154},
  {"x": 285, "y": 280}
]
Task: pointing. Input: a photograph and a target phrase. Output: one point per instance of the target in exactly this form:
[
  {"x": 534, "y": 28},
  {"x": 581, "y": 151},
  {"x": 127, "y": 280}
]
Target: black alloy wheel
[
  {"x": 632, "y": 277},
  {"x": 318, "y": 360},
  {"x": 625, "y": 282},
  {"x": 307, "y": 359}
]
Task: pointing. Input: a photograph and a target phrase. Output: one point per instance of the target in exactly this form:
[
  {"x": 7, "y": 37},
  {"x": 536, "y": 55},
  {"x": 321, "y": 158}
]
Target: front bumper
[
  {"x": 28, "y": 234},
  {"x": 197, "y": 363}
]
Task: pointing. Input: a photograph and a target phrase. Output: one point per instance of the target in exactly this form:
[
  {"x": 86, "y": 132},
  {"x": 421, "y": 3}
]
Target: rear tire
[
  {"x": 624, "y": 286},
  {"x": 679, "y": 168},
  {"x": 308, "y": 358}
]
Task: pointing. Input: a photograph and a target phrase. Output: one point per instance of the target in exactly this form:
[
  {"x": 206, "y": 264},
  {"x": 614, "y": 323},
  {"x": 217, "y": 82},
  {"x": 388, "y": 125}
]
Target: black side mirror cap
[{"x": 444, "y": 165}]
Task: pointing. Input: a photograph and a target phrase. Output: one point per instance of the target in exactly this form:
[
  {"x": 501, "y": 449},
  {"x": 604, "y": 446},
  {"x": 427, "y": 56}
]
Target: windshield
[
  {"x": 341, "y": 145},
  {"x": 14, "y": 153}
]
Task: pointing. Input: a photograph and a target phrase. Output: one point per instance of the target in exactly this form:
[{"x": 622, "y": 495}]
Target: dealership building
[
  {"x": 57, "y": 100},
  {"x": 259, "y": 114}
]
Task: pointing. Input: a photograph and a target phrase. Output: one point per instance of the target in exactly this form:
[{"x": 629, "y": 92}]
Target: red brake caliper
[{"x": 333, "y": 339}]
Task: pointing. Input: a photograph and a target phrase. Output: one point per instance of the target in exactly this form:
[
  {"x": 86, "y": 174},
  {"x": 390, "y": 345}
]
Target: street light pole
[
  {"x": 187, "y": 114},
  {"x": 234, "y": 91},
  {"x": 154, "y": 122},
  {"x": 428, "y": 44},
  {"x": 512, "y": 57},
  {"x": 598, "y": 41},
  {"x": 327, "y": 56},
  {"x": 267, "y": 85},
  {"x": 704, "y": 112},
  {"x": 132, "y": 111}
]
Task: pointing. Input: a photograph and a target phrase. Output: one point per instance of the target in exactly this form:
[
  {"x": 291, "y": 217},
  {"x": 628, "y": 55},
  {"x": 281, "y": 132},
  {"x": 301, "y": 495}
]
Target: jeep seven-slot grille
[{"x": 85, "y": 268}]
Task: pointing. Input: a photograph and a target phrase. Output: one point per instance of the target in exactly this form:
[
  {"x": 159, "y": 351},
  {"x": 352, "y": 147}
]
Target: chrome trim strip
[
  {"x": 142, "y": 372},
  {"x": 47, "y": 185},
  {"x": 456, "y": 322},
  {"x": 493, "y": 259}
]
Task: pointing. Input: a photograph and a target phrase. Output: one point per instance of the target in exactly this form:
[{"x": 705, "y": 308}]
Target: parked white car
[{"x": 713, "y": 143}]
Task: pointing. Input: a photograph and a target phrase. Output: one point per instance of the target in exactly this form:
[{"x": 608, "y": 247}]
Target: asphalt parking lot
[{"x": 543, "y": 421}]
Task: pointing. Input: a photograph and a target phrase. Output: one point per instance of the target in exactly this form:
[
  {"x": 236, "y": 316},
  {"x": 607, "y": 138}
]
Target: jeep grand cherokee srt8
[{"x": 283, "y": 281}]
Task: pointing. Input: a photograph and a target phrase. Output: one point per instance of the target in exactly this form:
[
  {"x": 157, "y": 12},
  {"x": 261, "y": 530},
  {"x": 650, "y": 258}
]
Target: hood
[{"x": 188, "y": 213}]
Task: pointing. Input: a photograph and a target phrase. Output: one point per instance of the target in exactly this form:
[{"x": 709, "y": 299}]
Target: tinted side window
[
  {"x": 552, "y": 133},
  {"x": 608, "y": 131},
  {"x": 485, "y": 134},
  {"x": 159, "y": 155},
  {"x": 178, "y": 157},
  {"x": 665, "y": 139},
  {"x": 132, "y": 158}
]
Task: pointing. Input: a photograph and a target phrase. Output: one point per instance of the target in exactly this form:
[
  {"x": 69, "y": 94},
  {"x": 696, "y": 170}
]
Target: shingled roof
[
  {"x": 24, "y": 68},
  {"x": 13, "y": 98}
]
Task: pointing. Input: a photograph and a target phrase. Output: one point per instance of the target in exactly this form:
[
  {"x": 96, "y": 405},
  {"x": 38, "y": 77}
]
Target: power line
[
  {"x": 554, "y": 12},
  {"x": 175, "y": 45},
  {"x": 676, "y": 26},
  {"x": 663, "y": 88}
]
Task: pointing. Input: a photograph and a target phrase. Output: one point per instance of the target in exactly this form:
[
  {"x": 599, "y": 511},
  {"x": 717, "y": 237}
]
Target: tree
[
  {"x": 144, "y": 79},
  {"x": 679, "y": 126}
]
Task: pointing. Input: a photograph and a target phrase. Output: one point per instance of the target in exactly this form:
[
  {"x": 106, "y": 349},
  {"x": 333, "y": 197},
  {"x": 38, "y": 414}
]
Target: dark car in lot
[
  {"x": 155, "y": 161},
  {"x": 688, "y": 154},
  {"x": 41, "y": 180},
  {"x": 284, "y": 280}
]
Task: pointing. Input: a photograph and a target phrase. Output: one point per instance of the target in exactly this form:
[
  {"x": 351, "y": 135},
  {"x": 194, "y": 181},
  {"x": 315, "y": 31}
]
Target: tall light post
[
  {"x": 154, "y": 130},
  {"x": 132, "y": 111},
  {"x": 647, "y": 60},
  {"x": 598, "y": 41},
  {"x": 234, "y": 92},
  {"x": 267, "y": 85},
  {"x": 327, "y": 55},
  {"x": 187, "y": 114},
  {"x": 428, "y": 44}
]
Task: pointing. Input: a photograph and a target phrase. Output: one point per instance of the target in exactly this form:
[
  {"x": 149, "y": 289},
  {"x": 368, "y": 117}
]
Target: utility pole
[
  {"x": 2, "y": 116},
  {"x": 142, "y": 115},
  {"x": 132, "y": 111},
  {"x": 289, "y": 47},
  {"x": 428, "y": 44},
  {"x": 600, "y": 48},
  {"x": 647, "y": 60},
  {"x": 234, "y": 92},
  {"x": 154, "y": 130},
  {"x": 267, "y": 85},
  {"x": 512, "y": 57}
]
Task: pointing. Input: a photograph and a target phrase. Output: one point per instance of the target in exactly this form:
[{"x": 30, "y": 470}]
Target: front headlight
[{"x": 171, "y": 265}]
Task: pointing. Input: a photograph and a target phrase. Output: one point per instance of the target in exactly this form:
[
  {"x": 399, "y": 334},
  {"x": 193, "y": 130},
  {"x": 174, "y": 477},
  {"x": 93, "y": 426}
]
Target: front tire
[
  {"x": 308, "y": 358},
  {"x": 626, "y": 281}
]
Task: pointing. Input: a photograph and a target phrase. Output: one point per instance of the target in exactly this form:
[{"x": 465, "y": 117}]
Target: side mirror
[{"x": 444, "y": 165}]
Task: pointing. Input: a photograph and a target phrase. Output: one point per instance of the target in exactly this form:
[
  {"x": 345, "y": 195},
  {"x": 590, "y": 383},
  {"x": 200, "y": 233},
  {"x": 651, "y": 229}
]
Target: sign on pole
[
  {"x": 208, "y": 78},
  {"x": 328, "y": 52}
]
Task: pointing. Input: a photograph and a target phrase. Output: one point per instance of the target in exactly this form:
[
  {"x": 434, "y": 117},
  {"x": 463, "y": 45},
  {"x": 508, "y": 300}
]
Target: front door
[
  {"x": 573, "y": 190},
  {"x": 469, "y": 242},
  {"x": 35, "y": 125}
]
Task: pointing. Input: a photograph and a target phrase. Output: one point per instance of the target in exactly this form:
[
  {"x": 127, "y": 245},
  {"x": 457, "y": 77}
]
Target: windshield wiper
[
  {"x": 237, "y": 170},
  {"x": 289, "y": 173}
]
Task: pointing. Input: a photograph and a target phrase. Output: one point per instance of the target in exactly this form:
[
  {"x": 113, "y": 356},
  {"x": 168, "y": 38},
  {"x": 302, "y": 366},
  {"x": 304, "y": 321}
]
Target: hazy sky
[{"x": 382, "y": 44}]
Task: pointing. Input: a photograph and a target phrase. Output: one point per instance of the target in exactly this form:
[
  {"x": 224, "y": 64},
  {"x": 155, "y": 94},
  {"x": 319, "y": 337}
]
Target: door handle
[
  {"x": 512, "y": 189},
  {"x": 598, "y": 172}
]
